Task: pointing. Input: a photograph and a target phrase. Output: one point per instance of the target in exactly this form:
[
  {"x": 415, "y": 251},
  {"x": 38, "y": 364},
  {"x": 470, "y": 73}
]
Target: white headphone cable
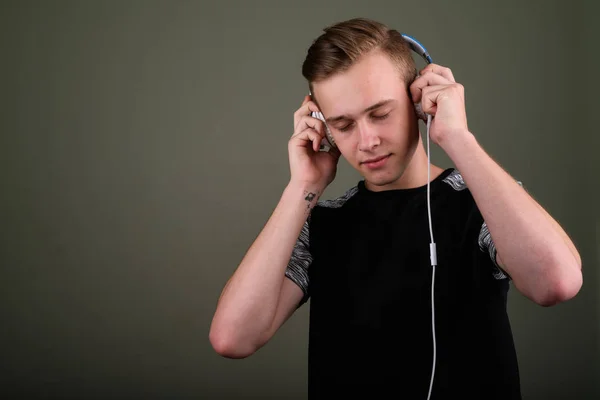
[{"x": 432, "y": 255}]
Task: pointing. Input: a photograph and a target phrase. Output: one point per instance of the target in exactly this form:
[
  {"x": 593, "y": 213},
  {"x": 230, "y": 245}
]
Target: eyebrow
[{"x": 366, "y": 110}]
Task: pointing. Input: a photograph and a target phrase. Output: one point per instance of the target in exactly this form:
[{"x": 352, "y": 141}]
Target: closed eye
[
  {"x": 345, "y": 128},
  {"x": 381, "y": 116},
  {"x": 377, "y": 117}
]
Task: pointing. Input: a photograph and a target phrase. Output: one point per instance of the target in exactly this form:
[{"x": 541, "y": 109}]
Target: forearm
[
  {"x": 534, "y": 249},
  {"x": 249, "y": 300}
]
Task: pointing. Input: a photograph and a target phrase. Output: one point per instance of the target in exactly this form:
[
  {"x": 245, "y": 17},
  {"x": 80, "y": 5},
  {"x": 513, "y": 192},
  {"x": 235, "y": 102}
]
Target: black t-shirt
[{"x": 363, "y": 260}]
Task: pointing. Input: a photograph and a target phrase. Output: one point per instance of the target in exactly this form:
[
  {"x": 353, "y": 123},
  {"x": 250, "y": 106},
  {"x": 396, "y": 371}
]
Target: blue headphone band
[{"x": 418, "y": 48}]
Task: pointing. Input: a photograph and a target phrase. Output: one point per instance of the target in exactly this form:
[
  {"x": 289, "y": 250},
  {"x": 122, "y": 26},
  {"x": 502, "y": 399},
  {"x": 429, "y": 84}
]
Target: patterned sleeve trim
[
  {"x": 301, "y": 258},
  {"x": 297, "y": 269},
  {"x": 487, "y": 244}
]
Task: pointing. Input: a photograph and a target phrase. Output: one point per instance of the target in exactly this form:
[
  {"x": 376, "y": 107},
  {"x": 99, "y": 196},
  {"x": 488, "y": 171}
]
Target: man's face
[{"x": 371, "y": 118}]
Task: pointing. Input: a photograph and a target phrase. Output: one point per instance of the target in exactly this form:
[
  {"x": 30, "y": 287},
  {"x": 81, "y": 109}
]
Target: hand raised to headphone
[
  {"x": 443, "y": 98},
  {"x": 308, "y": 165}
]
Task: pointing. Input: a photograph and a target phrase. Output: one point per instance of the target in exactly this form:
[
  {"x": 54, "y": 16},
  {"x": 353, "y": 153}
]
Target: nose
[{"x": 368, "y": 138}]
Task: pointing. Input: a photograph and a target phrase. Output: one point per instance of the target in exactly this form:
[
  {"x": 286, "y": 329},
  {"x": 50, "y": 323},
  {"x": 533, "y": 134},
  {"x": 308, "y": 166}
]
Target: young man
[{"x": 363, "y": 258}]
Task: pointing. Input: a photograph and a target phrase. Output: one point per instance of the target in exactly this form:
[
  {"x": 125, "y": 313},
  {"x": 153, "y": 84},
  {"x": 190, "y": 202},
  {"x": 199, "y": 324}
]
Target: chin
[
  {"x": 388, "y": 174},
  {"x": 379, "y": 181},
  {"x": 384, "y": 178}
]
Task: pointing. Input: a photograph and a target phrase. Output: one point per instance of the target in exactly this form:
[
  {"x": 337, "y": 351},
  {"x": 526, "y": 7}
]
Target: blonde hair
[{"x": 343, "y": 43}]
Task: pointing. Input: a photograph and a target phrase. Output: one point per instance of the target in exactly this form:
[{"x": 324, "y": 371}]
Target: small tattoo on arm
[{"x": 310, "y": 196}]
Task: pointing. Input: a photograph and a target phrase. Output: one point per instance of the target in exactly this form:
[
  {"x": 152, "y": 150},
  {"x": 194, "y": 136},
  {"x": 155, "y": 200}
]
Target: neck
[{"x": 416, "y": 171}]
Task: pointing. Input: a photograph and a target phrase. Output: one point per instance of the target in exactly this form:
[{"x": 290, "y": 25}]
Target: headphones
[{"x": 329, "y": 141}]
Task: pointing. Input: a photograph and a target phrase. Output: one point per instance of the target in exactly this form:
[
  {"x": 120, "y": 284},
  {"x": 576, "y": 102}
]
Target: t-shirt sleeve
[
  {"x": 297, "y": 268},
  {"x": 486, "y": 245}
]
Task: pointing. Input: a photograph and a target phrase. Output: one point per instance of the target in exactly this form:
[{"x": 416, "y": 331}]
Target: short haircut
[{"x": 344, "y": 43}]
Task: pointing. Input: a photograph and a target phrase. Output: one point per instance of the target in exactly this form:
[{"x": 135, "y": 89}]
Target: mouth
[{"x": 376, "y": 162}]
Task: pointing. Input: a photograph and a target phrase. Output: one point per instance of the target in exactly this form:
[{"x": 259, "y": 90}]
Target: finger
[
  {"x": 306, "y": 109},
  {"x": 439, "y": 70},
  {"x": 306, "y": 121},
  {"x": 426, "y": 80},
  {"x": 431, "y": 97},
  {"x": 312, "y": 107},
  {"x": 308, "y": 137},
  {"x": 428, "y": 102}
]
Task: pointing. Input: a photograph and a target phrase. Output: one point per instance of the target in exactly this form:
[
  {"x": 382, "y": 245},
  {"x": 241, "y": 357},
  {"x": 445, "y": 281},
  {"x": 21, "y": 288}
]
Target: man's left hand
[{"x": 444, "y": 99}]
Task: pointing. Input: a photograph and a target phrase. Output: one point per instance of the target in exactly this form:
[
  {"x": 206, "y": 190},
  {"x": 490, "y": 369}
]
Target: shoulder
[
  {"x": 455, "y": 180},
  {"x": 476, "y": 222},
  {"x": 339, "y": 201},
  {"x": 326, "y": 211},
  {"x": 460, "y": 208}
]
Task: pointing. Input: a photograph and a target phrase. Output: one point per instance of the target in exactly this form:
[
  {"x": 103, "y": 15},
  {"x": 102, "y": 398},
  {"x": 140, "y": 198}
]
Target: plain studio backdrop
[{"x": 144, "y": 145}]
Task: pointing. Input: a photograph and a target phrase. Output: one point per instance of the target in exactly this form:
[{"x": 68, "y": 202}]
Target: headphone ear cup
[
  {"x": 419, "y": 112},
  {"x": 418, "y": 109},
  {"x": 328, "y": 142}
]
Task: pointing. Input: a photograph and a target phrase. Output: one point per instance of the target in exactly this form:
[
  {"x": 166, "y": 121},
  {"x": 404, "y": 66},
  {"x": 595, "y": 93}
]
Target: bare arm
[
  {"x": 258, "y": 298},
  {"x": 532, "y": 247}
]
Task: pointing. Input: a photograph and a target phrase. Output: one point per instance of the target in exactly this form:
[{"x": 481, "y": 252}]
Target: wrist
[
  {"x": 459, "y": 145},
  {"x": 304, "y": 193},
  {"x": 300, "y": 187}
]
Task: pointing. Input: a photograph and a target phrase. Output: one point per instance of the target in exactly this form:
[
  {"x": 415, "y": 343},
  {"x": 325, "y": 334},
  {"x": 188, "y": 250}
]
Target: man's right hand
[{"x": 308, "y": 165}]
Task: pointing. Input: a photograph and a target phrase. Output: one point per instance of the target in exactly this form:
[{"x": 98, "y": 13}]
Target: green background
[{"x": 143, "y": 145}]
